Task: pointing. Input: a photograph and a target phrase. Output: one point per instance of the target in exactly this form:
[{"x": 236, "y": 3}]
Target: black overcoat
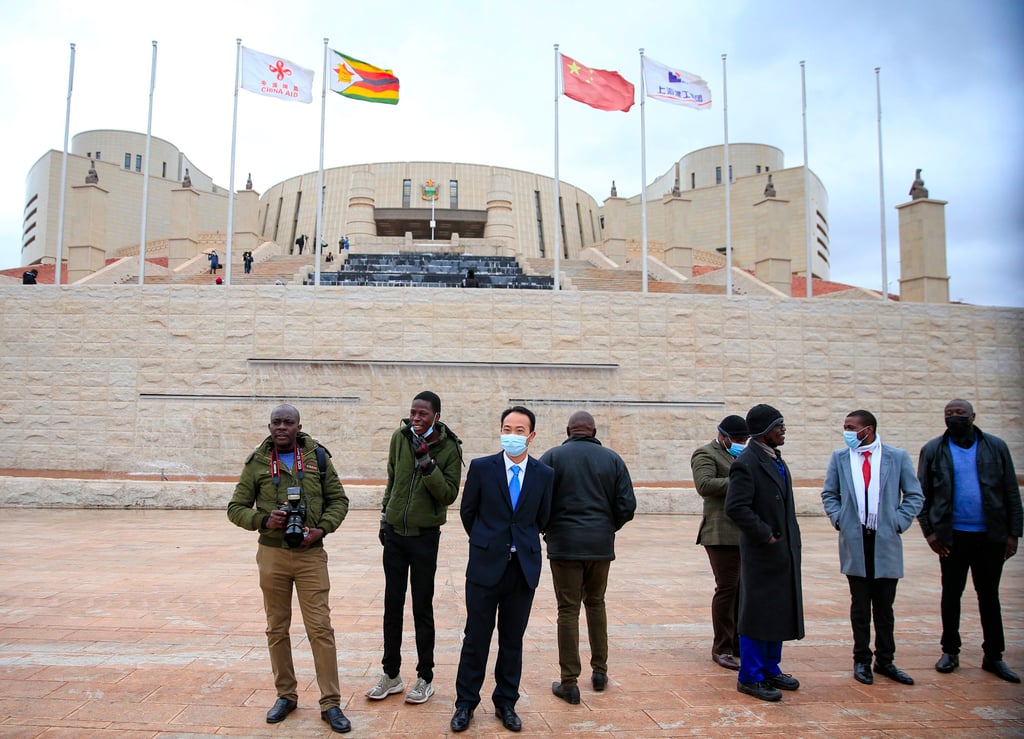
[{"x": 760, "y": 501}]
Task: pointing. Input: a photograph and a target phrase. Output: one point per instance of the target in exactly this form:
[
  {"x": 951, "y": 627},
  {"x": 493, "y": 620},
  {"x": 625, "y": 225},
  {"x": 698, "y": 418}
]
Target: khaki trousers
[{"x": 306, "y": 569}]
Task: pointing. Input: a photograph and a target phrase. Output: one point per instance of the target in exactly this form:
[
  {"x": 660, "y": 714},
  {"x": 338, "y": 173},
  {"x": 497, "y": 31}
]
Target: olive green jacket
[
  {"x": 413, "y": 500},
  {"x": 710, "y": 464},
  {"x": 256, "y": 495}
]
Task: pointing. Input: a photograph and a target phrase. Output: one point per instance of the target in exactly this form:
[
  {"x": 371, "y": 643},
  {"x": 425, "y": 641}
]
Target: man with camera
[
  {"x": 424, "y": 467},
  {"x": 289, "y": 491}
]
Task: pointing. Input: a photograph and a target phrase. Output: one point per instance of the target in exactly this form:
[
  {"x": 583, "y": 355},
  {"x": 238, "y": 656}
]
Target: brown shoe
[{"x": 726, "y": 660}]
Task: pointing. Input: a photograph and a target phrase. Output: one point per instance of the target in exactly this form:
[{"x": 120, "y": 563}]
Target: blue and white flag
[{"x": 675, "y": 86}]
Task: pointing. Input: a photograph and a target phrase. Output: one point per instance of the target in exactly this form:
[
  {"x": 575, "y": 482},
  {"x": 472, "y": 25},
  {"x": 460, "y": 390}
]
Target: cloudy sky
[{"x": 477, "y": 85}]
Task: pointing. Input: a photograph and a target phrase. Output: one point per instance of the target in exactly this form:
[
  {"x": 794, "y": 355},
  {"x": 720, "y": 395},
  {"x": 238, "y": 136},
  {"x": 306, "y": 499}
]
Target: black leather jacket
[
  {"x": 592, "y": 499},
  {"x": 1000, "y": 493}
]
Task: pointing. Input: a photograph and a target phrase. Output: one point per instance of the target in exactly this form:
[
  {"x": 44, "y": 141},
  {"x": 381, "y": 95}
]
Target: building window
[
  {"x": 163, "y": 171},
  {"x": 767, "y": 168},
  {"x": 138, "y": 162},
  {"x": 693, "y": 180},
  {"x": 561, "y": 216},
  {"x": 540, "y": 222},
  {"x": 718, "y": 175},
  {"x": 579, "y": 220},
  {"x": 128, "y": 161},
  {"x": 758, "y": 169},
  {"x": 453, "y": 194},
  {"x": 406, "y": 193},
  {"x": 99, "y": 154}
]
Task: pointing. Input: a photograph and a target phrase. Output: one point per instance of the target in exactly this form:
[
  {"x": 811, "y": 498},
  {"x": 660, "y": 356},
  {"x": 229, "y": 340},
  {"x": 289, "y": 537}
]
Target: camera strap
[{"x": 275, "y": 465}]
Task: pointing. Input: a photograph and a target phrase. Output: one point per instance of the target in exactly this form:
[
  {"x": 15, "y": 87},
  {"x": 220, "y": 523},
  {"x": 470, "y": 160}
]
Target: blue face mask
[
  {"x": 513, "y": 444},
  {"x": 736, "y": 449},
  {"x": 431, "y": 429},
  {"x": 850, "y": 437}
]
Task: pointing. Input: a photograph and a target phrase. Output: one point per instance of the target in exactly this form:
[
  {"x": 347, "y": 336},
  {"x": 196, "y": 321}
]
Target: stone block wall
[{"x": 130, "y": 380}]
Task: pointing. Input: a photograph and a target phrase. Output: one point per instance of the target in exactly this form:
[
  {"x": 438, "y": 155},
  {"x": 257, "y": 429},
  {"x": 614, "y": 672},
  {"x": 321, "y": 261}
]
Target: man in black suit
[{"x": 506, "y": 502}]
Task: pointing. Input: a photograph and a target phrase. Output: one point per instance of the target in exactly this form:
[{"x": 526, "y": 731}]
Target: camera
[{"x": 295, "y": 525}]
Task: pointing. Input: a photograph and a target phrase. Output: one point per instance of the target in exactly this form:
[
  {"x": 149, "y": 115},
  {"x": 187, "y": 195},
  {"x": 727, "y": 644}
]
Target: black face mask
[{"x": 959, "y": 426}]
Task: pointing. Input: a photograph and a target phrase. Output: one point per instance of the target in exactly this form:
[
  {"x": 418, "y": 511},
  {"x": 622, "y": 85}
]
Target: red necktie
[{"x": 867, "y": 470}]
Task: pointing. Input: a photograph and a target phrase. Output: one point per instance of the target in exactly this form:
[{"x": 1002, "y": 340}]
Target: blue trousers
[{"x": 759, "y": 660}]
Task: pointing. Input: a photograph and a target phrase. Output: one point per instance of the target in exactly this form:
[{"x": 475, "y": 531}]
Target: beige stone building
[{"x": 117, "y": 157}]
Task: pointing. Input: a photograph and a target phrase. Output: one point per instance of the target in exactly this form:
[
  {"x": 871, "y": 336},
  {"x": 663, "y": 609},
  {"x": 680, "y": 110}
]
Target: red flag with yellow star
[{"x": 597, "y": 88}]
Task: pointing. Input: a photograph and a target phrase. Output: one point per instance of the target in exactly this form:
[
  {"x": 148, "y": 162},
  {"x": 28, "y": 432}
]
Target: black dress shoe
[
  {"x": 509, "y": 719},
  {"x": 782, "y": 681},
  {"x": 763, "y": 691},
  {"x": 599, "y": 680},
  {"x": 337, "y": 720},
  {"x": 1000, "y": 669},
  {"x": 280, "y": 710},
  {"x": 893, "y": 672},
  {"x": 461, "y": 719},
  {"x": 947, "y": 662},
  {"x": 862, "y": 672},
  {"x": 570, "y": 695},
  {"x": 726, "y": 660}
]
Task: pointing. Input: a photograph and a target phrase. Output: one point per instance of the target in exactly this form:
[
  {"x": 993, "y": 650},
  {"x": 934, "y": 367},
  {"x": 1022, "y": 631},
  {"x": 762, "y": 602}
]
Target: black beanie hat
[
  {"x": 762, "y": 418},
  {"x": 733, "y": 426}
]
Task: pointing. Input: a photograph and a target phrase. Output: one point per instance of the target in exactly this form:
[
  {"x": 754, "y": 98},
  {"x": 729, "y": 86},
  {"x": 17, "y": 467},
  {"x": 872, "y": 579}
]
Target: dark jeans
[
  {"x": 576, "y": 582},
  {"x": 409, "y": 559},
  {"x": 872, "y": 596},
  {"x": 725, "y": 563},
  {"x": 972, "y": 551}
]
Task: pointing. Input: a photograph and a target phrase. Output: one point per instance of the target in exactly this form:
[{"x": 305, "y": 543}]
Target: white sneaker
[
  {"x": 420, "y": 692},
  {"x": 385, "y": 686}
]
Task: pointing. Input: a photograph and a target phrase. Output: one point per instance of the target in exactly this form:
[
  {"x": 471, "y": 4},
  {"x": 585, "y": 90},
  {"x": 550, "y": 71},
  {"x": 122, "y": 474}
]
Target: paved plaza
[{"x": 149, "y": 623}]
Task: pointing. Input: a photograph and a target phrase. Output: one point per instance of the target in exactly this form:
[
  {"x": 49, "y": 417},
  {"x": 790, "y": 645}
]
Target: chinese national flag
[{"x": 597, "y": 88}]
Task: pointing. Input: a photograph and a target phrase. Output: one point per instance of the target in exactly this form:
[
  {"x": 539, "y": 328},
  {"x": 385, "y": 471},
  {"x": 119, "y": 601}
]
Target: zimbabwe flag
[{"x": 361, "y": 81}]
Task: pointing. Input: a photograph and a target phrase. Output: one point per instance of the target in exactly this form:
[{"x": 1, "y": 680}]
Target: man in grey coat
[
  {"x": 592, "y": 498},
  {"x": 871, "y": 496}
]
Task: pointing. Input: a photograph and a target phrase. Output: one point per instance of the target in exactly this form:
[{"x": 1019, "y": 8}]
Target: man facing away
[
  {"x": 506, "y": 502},
  {"x": 424, "y": 466},
  {"x": 871, "y": 496},
  {"x": 592, "y": 498},
  {"x": 719, "y": 535},
  {"x": 284, "y": 472},
  {"x": 972, "y": 519},
  {"x": 760, "y": 501}
]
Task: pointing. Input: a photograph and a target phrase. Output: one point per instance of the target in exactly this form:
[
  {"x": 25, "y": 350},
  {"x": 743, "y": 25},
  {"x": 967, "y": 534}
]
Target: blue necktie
[{"x": 513, "y": 486}]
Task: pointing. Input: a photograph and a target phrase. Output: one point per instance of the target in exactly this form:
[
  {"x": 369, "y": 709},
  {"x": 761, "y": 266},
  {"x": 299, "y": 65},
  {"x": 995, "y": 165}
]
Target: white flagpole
[
  {"x": 881, "y": 186},
  {"x": 145, "y": 173},
  {"x": 317, "y": 248},
  {"x": 558, "y": 220},
  {"x": 231, "y": 175},
  {"x": 728, "y": 202},
  {"x": 808, "y": 234},
  {"x": 64, "y": 172},
  {"x": 643, "y": 171}
]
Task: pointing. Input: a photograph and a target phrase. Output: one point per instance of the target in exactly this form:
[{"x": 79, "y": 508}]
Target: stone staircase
[
  {"x": 268, "y": 272},
  {"x": 585, "y": 276}
]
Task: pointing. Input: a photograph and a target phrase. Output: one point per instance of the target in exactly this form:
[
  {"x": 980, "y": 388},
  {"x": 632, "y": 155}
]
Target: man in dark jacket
[
  {"x": 284, "y": 471},
  {"x": 424, "y": 467},
  {"x": 972, "y": 518},
  {"x": 760, "y": 501},
  {"x": 719, "y": 536},
  {"x": 591, "y": 500}
]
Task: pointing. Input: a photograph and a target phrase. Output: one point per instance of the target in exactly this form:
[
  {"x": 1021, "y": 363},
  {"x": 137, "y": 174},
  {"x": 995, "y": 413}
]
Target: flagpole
[
  {"x": 64, "y": 171},
  {"x": 558, "y": 225},
  {"x": 231, "y": 175},
  {"x": 317, "y": 248},
  {"x": 807, "y": 190},
  {"x": 728, "y": 183},
  {"x": 881, "y": 186},
  {"x": 643, "y": 172},
  {"x": 145, "y": 173}
]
